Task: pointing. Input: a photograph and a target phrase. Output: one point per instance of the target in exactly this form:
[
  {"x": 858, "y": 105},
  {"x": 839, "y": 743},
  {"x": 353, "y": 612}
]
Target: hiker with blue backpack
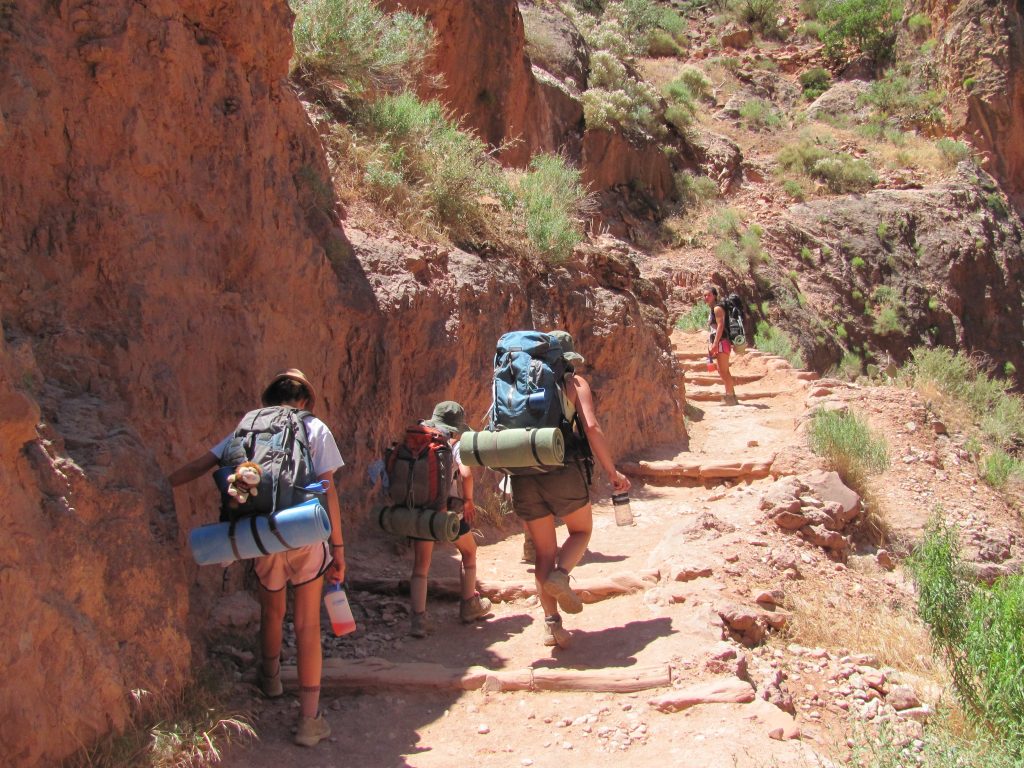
[
  {"x": 720, "y": 343},
  {"x": 288, "y": 449},
  {"x": 545, "y": 435}
]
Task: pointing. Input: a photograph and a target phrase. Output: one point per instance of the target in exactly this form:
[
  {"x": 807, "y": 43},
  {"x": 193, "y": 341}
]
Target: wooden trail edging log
[
  {"x": 589, "y": 590},
  {"x": 695, "y": 470},
  {"x": 374, "y": 672}
]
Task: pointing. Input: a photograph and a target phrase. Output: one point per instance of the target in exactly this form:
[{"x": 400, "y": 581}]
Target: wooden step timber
[
  {"x": 374, "y": 672},
  {"x": 590, "y": 590},
  {"x": 710, "y": 395},
  {"x": 753, "y": 468},
  {"x": 704, "y": 378}
]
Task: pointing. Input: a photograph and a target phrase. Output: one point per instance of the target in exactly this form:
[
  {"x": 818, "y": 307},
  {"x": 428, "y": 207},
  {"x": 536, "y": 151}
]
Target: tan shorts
[
  {"x": 295, "y": 566},
  {"x": 553, "y": 493}
]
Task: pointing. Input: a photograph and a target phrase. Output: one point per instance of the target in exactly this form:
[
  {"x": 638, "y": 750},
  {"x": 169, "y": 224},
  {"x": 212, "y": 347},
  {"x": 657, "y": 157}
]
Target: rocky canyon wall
[{"x": 167, "y": 240}]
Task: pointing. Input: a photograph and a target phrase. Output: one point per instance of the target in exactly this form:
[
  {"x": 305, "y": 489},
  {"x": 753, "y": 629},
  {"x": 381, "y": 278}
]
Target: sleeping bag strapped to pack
[
  {"x": 529, "y": 377},
  {"x": 420, "y": 469},
  {"x": 732, "y": 306}
]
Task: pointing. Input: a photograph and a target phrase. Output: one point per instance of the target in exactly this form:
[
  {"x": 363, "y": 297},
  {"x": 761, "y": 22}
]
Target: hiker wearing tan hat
[
  {"x": 303, "y": 567},
  {"x": 449, "y": 417}
]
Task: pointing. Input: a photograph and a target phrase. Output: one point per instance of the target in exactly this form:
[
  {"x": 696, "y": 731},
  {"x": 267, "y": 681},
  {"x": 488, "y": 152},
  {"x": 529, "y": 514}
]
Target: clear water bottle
[
  {"x": 336, "y": 601},
  {"x": 623, "y": 513}
]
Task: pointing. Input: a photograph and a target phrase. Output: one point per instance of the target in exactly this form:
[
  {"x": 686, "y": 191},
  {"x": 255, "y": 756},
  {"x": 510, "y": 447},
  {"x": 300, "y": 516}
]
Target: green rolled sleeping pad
[
  {"x": 513, "y": 448},
  {"x": 430, "y": 524}
]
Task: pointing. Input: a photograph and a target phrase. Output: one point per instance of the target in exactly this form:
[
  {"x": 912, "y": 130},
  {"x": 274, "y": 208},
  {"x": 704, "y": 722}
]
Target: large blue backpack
[{"x": 529, "y": 372}]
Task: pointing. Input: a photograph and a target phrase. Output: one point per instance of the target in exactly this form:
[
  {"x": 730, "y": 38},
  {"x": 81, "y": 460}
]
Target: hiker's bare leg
[
  {"x": 580, "y": 525},
  {"x": 307, "y": 645},
  {"x": 422, "y": 552},
  {"x": 723, "y": 371},
  {"x": 466, "y": 545},
  {"x": 542, "y": 532},
  {"x": 272, "y": 607}
]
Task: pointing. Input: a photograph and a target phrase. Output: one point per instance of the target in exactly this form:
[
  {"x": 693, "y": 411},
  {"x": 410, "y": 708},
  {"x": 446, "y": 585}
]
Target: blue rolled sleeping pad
[{"x": 298, "y": 526}]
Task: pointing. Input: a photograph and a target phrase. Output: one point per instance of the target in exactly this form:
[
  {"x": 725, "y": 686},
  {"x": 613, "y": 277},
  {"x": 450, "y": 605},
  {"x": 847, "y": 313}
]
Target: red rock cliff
[{"x": 168, "y": 239}]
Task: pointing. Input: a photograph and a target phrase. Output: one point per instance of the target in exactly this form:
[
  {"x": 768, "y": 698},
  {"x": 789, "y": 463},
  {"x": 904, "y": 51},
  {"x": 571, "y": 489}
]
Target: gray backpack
[{"x": 275, "y": 438}]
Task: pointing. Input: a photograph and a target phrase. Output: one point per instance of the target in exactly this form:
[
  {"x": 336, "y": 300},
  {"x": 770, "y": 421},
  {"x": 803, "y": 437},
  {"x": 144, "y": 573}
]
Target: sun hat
[
  {"x": 290, "y": 374},
  {"x": 568, "y": 347},
  {"x": 449, "y": 416}
]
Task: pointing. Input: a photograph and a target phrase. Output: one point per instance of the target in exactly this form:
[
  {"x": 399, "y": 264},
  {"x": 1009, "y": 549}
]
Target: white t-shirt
[{"x": 322, "y": 447}]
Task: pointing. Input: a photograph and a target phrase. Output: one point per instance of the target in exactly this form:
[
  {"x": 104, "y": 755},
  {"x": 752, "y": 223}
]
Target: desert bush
[
  {"x": 966, "y": 383},
  {"x": 906, "y": 100},
  {"x": 696, "y": 83},
  {"x": 552, "y": 195},
  {"x": 848, "y": 445},
  {"x": 794, "y": 189},
  {"x": 356, "y": 43},
  {"x": 888, "y": 311},
  {"x": 695, "y": 190},
  {"x": 682, "y": 104},
  {"x": 870, "y": 26},
  {"x": 952, "y": 151},
  {"x": 425, "y": 166},
  {"x": 997, "y": 467},
  {"x": 760, "y": 115},
  {"x": 842, "y": 174},
  {"x": 920, "y": 25},
  {"x": 883, "y": 129},
  {"x": 761, "y": 15},
  {"x": 615, "y": 97},
  {"x": 775, "y": 341},
  {"x": 811, "y": 30},
  {"x": 815, "y": 82},
  {"x": 694, "y": 320},
  {"x": 976, "y": 630},
  {"x": 851, "y": 365}
]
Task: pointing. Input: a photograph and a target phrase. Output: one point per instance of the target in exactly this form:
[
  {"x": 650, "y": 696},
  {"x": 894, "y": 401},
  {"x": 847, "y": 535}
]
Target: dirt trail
[{"x": 702, "y": 534}]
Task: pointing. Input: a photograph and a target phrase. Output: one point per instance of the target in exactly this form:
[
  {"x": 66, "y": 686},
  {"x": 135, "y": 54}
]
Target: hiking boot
[
  {"x": 557, "y": 585},
  {"x": 271, "y": 684},
  {"x": 731, "y": 400},
  {"x": 312, "y": 730},
  {"x": 419, "y": 625},
  {"x": 529, "y": 551},
  {"x": 555, "y": 634},
  {"x": 475, "y": 608}
]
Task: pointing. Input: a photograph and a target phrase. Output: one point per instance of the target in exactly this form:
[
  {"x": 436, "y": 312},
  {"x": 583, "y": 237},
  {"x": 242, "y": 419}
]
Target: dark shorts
[{"x": 554, "y": 493}]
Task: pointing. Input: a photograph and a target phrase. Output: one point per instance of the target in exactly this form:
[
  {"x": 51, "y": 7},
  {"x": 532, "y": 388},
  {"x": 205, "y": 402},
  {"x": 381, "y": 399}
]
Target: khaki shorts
[
  {"x": 295, "y": 566},
  {"x": 554, "y": 493}
]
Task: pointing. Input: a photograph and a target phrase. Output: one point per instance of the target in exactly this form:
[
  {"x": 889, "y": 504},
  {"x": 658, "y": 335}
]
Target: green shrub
[
  {"x": 811, "y": 30},
  {"x": 425, "y": 165},
  {"x": 694, "y": 190},
  {"x": 694, "y": 320},
  {"x": 848, "y": 445},
  {"x": 1009, "y": 369},
  {"x": 851, "y": 366},
  {"x": 794, "y": 189},
  {"x": 815, "y": 82},
  {"x": 841, "y": 331},
  {"x": 904, "y": 99},
  {"x": 869, "y": 26},
  {"x": 696, "y": 82},
  {"x": 883, "y": 129},
  {"x": 976, "y": 630},
  {"x": 356, "y": 43},
  {"x": 998, "y": 467},
  {"x": 775, "y": 341},
  {"x": 759, "y": 115},
  {"x": 843, "y": 174},
  {"x": 857, "y": 262},
  {"x": 1000, "y": 413},
  {"x": 552, "y": 194},
  {"x": 682, "y": 104},
  {"x": 933, "y": 303},
  {"x": 761, "y": 15},
  {"x": 615, "y": 97},
  {"x": 726, "y": 222},
  {"x": 952, "y": 151},
  {"x": 661, "y": 43},
  {"x": 995, "y": 203},
  {"x": 920, "y": 25},
  {"x": 809, "y": 8}
]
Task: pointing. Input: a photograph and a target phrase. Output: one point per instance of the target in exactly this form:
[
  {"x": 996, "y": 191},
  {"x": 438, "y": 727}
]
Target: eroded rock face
[
  {"x": 950, "y": 253},
  {"x": 168, "y": 239},
  {"x": 981, "y": 44}
]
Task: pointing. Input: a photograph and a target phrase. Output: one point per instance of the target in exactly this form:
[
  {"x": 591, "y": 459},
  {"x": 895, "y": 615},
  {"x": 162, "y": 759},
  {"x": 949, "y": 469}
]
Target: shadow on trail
[
  {"x": 611, "y": 647},
  {"x": 590, "y": 556}
]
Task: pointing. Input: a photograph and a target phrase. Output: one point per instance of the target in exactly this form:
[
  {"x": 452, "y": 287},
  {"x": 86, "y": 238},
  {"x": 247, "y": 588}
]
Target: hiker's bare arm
[
  {"x": 466, "y": 480},
  {"x": 195, "y": 468},
  {"x": 583, "y": 399},
  {"x": 336, "y": 570},
  {"x": 719, "y": 330}
]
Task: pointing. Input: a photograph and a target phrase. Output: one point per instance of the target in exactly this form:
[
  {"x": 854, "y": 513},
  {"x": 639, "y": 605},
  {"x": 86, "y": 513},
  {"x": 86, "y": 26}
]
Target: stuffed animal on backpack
[{"x": 244, "y": 481}]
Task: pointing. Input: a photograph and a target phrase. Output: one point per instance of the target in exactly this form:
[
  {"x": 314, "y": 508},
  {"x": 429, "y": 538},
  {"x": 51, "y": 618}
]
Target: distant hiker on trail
[
  {"x": 450, "y": 418},
  {"x": 719, "y": 346},
  {"x": 538, "y": 499},
  {"x": 290, "y": 396}
]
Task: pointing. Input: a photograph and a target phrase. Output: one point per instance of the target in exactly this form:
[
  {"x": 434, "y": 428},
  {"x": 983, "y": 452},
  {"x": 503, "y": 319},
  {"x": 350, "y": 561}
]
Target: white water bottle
[
  {"x": 623, "y": 513},
  {"x": 336, "y": 601}
]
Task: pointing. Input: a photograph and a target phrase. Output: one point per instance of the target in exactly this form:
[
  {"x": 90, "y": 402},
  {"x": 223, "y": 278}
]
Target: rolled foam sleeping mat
[
  {"x": 419, "y": 523},
  {"x": 298, "y": 526},
  {"x": 511, "y": 448}
]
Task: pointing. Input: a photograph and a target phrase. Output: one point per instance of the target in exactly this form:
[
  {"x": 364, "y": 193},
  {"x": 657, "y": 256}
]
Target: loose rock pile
[{"x": 795, "y": 505}]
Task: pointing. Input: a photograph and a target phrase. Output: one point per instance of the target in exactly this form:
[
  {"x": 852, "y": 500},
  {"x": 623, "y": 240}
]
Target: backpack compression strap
[{"x": 257, "y": 540}]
